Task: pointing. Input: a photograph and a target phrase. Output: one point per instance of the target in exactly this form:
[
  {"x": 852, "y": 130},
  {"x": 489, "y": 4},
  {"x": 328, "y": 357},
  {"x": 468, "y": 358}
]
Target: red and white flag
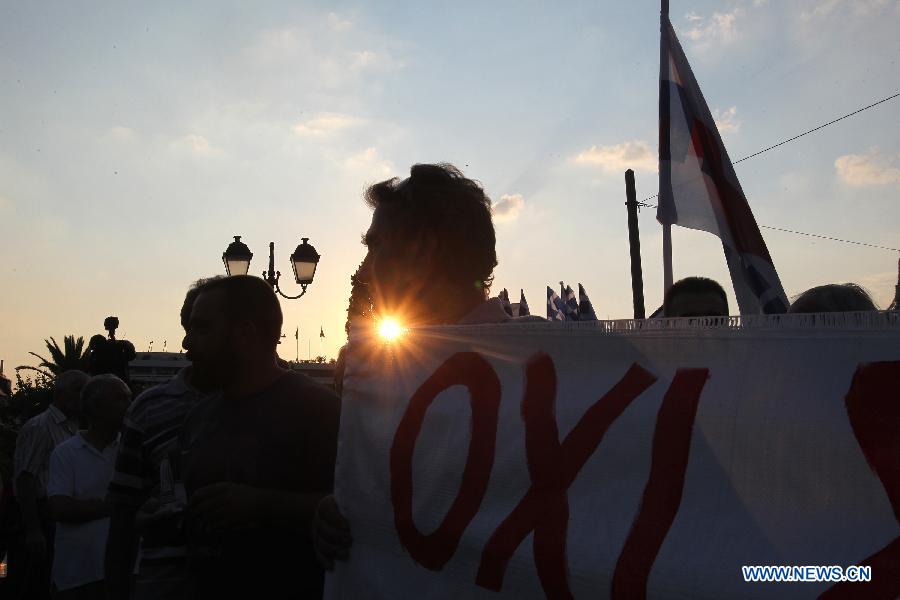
[{"x": 698, "y": 187}]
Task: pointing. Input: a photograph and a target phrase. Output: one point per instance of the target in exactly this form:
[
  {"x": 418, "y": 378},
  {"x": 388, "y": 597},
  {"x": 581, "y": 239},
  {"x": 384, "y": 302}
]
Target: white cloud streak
[
  {"x": 508, "y": 207},
  {"x": 719, "y": 29},
  {"x": 637, "y": 155},
  {"x": 870, "y": 169},
  {"x": 368, "y": 164},
  {"x": 726, "y": 120},
  {"x": 325, "y": 124}
]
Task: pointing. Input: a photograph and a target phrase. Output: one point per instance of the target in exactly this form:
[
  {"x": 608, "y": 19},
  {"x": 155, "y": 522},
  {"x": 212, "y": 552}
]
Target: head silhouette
[
  {"x": 431, "y": 248},
  {"x": 234, "y": 322},
  {"x": 695, "y": 297},
  {"x": 833, "y": 297}
]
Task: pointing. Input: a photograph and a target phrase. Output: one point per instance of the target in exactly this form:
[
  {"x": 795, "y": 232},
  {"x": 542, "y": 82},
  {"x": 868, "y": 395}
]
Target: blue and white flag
[
  {"x": 504, "y": 301},
  {"x": 570, "y": 304},
  {"x": 523, "y": 304},
  {"x": 698, "y": 187},
  {"x": 554, "y": 306},
  {"x": 585, "y": 309}
]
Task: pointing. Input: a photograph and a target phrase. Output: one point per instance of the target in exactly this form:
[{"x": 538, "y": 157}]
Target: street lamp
[
  {"x": 237, "y": 257},
  {"x": 303, "y": 261}
]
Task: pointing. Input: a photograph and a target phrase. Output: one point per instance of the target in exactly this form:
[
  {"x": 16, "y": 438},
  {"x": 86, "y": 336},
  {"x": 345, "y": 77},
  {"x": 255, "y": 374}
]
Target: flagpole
[
  {"x": 667, "y": 227},
  {"x": 667, "y": 257},
  {"x": 297, "y": 342}
]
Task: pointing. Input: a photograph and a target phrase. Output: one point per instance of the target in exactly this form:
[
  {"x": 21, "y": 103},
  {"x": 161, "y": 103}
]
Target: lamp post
[{"x": 303, "y": 261}]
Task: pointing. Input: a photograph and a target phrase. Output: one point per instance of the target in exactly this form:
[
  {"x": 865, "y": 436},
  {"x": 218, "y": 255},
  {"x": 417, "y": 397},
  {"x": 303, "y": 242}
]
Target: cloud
[
  {"x": 637, "y": 155},
  {"x": 726, "y": 120},
  {"x": 872, "y": 168},
  {"x": 368, "y": 164},
  {"x": 327, "y": 54},
  {"x": 719, "y": 29},
  {"x": 508, "y": 207},
  {"x": 823, "y": 9},
  {"x": 196, "y": 144},
  {"x": 337, "y": 23},
  {"x": 325, "y": 124},
  {"x": 121, "y": 133},
  {"x": 367, "y": 59}
]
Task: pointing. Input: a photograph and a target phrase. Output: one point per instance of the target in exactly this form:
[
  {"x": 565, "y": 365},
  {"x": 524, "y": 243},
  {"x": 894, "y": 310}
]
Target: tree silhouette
[{"x": 73, "y": 355}]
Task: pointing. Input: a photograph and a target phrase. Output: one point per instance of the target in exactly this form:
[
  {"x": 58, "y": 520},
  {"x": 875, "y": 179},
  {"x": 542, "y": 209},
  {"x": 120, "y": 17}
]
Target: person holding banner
[{"x": 430, "y": 261}]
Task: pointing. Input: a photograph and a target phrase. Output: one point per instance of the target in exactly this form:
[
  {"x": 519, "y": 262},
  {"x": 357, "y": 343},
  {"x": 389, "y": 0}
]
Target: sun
[{"x": 390, "y": 330}]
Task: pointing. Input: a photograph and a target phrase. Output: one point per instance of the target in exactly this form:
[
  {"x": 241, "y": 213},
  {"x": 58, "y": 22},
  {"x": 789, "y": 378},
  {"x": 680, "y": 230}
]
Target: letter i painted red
[{"x": 662, "y": 495}]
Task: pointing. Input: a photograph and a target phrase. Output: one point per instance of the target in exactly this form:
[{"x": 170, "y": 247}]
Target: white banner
[{"x": 621, "y": 459}]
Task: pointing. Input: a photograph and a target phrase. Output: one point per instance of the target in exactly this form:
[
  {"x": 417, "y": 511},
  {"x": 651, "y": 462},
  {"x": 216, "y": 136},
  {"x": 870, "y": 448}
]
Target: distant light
[{"x": 390, "y": 330}]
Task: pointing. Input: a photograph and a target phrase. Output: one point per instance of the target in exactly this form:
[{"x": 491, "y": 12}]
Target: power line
[
  {"x": 815, "y": 235},
  {"x": 833, "y": 239},
  {"x": 796, "y": 137},
  {"x": 856, "y": 112}
]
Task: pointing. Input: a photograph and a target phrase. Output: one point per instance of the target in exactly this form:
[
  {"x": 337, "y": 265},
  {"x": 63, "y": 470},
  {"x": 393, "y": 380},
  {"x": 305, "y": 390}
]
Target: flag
[
  {"x": 570, "y": 304},
  {"x": 297, "y": 333},
  {"x": 554, "y": 306},
  {"x": 321, "y": 332},
  {"x": 585, "y": 308},
  {"x": 523, "y": 304},
  {"x": 698, "y": 187},
  {"x": 504, "y": 301}
]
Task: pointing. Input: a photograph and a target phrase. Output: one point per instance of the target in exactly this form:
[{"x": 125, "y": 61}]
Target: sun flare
[{"x": 390, "y": 330}]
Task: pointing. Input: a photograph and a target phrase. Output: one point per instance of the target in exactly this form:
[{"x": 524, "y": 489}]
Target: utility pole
[
  {"x": 895, "y": 305},
  {"x": 634, "y": 242}
]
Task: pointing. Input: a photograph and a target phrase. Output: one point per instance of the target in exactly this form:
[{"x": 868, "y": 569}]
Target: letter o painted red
[{"x": 471, "y": 370}]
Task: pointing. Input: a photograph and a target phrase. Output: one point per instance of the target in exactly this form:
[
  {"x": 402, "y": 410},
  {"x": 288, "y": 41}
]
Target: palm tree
[{"x": 73, "y": 355}]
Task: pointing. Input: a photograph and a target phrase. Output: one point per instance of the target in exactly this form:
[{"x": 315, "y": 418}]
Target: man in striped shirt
[
  {"x": 34, "y": 445},
  {"x": 141, "y": 489}
]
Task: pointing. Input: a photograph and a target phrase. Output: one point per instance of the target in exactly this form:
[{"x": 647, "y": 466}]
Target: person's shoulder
[
  {"x": 31, "y": 424},
  {"x": 300, "y": 392},
  {"x": 300, "y": 383},
  {"x": 173, "y": 389},
  {"x": 35, "y": 427},
  {"x": 202, "y": 407},
  {"x": 69, "y": 446}
]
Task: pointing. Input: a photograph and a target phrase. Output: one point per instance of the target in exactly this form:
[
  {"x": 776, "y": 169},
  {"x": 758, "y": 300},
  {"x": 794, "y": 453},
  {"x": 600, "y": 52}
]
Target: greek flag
[
  {"x": 570, "y": 306},
  {"x": 585, "y": 309},
  {"x": 523, "y": 304},
  {"x": 554, "y": 306},
  {"x": 504, "y": 301}
]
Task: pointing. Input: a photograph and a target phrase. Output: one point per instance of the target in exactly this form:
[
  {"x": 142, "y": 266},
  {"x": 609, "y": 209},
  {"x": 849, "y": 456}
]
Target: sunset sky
[{"x": 137, "y": 138}]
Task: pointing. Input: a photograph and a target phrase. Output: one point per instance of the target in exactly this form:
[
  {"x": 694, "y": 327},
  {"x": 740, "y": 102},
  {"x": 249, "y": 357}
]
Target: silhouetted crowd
[{"x": 218, "y": 483}]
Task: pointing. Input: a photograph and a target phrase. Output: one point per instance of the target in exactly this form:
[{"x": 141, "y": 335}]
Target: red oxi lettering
[
  {"x": 662, "y": 496},
  {"x": 433, "y": 551},
  {"x": 873, "y": 406},
  {"x": 553, "y": 467}
]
